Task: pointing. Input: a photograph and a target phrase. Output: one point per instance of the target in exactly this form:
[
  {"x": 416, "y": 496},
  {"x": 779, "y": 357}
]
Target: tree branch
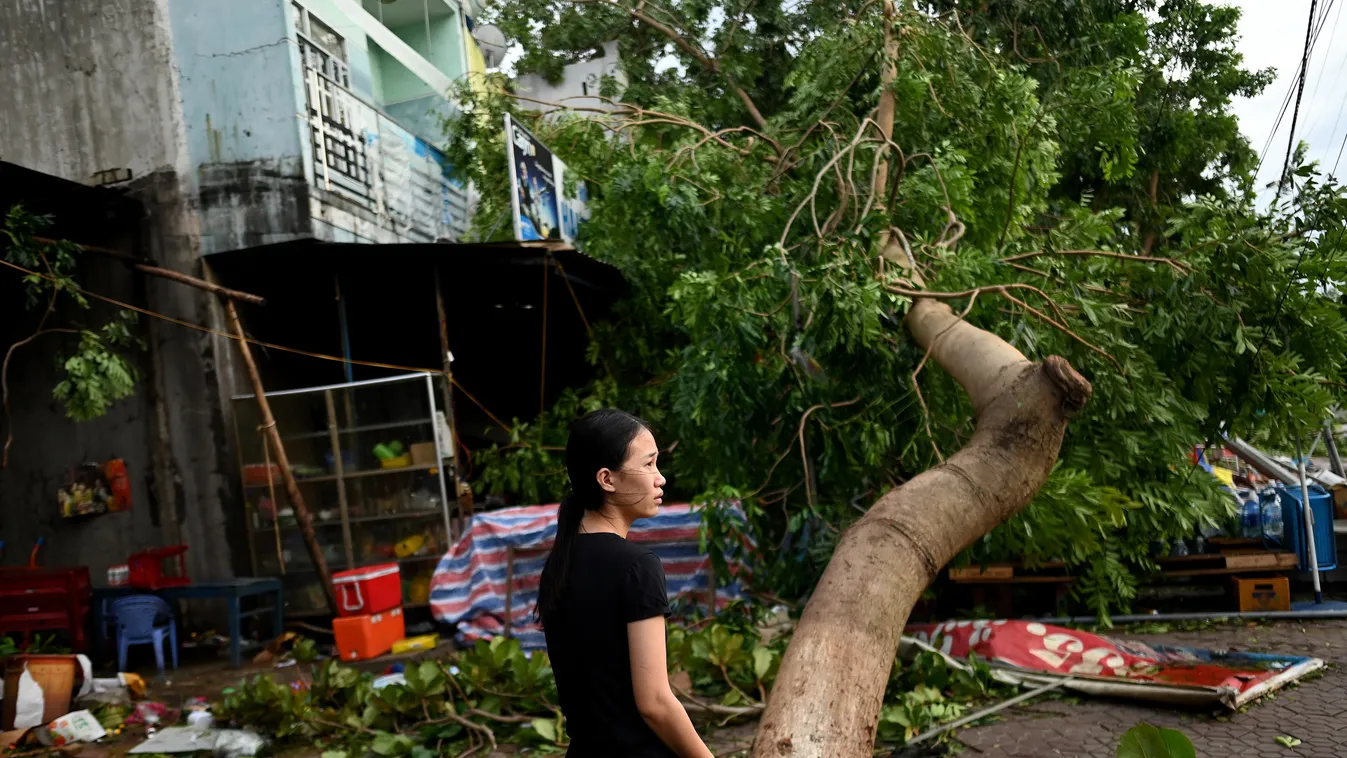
[
  {"x": 4, "y": 380},
  {"x": 701, "y": 57},
  {"x": 1177, "y": 265}
]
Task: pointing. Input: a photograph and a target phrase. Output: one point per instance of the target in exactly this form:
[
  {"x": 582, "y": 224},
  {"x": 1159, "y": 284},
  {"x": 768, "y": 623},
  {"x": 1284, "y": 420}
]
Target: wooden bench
[{"x": 999, "y": 580}]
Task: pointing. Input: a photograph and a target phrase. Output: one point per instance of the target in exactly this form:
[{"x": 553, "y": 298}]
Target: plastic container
[
  {"x": 424, "y": 642},
  {"x": 373, "y": 589},
  {"x": 360, "y": 638},
  {"x": 401, "y": 461},
  {"x": 147, "y": 568},
  {"x": 1325, "y": 542},
  {"x": 1251, "y": 519},
  {"x": 55, "y": 674},
  {"x": 1263, "y": 594},
  {"x": 1274, "y": 525}
]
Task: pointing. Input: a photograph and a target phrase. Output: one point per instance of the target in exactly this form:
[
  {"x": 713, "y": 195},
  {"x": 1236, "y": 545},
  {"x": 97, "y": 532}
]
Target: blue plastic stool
[{"x": 144, "y": 620}]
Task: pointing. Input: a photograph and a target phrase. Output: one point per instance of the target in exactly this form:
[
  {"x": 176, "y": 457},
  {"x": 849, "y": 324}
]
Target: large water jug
[
  {"x": 1274, "y": 527},
  {"x": 1251, "y": 519}
]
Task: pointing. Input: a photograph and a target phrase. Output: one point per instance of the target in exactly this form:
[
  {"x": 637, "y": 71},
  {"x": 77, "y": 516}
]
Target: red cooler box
[
  {"x": 360, "y": 638},
  {"x": 372, "y": 589}
]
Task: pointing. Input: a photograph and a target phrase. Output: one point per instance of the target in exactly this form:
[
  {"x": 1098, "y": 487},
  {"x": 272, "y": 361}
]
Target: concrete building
[
  {"x": 229, "y": 124},
  {"x": 579, "y": 87}
]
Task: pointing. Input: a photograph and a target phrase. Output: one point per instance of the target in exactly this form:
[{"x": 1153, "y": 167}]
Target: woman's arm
[{"x": 654, "y": 697}]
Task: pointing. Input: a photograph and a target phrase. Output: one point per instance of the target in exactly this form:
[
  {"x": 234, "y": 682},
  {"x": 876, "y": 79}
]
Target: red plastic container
[
  {"x": 372, "y": 589},
  {"x": 147, "y": 568},
  {"x": 360, "y": 638}
]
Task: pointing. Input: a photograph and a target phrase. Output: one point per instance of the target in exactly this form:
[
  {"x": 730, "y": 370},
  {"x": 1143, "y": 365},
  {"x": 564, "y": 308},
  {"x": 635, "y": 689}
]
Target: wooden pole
[
  {"x": 465, "y": 505},
  {"x": 282, "y": 460}
]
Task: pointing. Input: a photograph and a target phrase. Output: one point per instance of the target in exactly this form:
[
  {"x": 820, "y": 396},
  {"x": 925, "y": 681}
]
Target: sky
[{"x": 1272, "y": 34}]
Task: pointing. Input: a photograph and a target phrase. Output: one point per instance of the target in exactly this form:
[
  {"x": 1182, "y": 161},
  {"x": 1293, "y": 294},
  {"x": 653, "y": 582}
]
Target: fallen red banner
[{"x": 1028, "y": 652}]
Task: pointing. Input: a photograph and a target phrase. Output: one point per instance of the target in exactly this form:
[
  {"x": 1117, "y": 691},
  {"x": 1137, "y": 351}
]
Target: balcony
[{"x": 378, "y": 159}]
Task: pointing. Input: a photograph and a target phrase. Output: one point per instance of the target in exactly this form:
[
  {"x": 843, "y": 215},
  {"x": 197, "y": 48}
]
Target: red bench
[{"x": 46, "y": 599}]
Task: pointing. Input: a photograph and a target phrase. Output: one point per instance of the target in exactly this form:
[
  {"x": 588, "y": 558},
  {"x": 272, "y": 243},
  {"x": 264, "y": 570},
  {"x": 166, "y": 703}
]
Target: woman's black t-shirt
[{"x": 610, "y": 583}]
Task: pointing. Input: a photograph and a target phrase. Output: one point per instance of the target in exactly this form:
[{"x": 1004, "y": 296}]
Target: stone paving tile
[{"x": 1315, "y": 712}]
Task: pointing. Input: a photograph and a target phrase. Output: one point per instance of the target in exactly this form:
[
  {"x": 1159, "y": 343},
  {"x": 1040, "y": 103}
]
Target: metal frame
[{"x": 334, "y": 430}]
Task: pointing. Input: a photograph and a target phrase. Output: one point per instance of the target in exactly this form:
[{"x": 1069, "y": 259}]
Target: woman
[{"x": 602, "y": 600}]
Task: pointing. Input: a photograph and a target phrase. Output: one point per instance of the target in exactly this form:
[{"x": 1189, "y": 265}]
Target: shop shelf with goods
[{"x": 372, "y": 461}]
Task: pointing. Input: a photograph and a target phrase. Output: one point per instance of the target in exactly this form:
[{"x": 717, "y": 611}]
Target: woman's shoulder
[{"x": 623, "y": 553}]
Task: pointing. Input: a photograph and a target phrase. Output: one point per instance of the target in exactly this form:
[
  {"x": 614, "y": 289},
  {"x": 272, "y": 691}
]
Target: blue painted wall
[{"x": 238, "y": 70}]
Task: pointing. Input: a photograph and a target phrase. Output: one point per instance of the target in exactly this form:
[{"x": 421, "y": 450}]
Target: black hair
[{"x": 599, "y": 439}]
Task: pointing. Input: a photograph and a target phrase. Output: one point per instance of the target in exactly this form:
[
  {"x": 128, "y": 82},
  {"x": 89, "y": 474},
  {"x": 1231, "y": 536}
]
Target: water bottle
[
  {"x": 1273, "y": 526},
  {"x": 1251, "y": 519}
]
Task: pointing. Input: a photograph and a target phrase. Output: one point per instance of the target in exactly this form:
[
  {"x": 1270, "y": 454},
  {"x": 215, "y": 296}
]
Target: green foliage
[
  {"x": 96, "y": 373},
  {"x": 40, "y": 644},
  {"x": 1147, "y": 741},
  {"x": 449, "y": 705},
  {"x": 762, "y": 338}
]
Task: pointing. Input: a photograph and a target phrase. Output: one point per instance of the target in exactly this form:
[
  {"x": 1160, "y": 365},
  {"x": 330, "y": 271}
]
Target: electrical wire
[
  {"x": 260, "y": 343},
  {"x": 1310, "y": 38},
  {"x": 1286, "y": 101}
]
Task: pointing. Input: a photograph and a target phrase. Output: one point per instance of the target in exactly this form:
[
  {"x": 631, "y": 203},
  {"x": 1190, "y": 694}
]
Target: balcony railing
[{"x": 362, "y": 154}]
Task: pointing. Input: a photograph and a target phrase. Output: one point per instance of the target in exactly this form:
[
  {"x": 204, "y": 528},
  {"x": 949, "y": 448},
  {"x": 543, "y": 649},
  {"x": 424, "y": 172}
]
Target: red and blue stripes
[{"x": 468, "y": 587}]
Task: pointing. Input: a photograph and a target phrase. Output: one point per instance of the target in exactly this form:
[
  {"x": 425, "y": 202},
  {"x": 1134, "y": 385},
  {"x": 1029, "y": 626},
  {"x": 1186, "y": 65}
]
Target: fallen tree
[{"x": 834, "y": 171}]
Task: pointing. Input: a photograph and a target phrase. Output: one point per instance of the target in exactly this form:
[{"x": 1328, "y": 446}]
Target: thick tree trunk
[{"x": 828, "y": 693}]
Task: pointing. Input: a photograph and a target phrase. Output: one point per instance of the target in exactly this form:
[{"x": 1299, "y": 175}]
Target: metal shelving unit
[{"x": 381, "y": 508}]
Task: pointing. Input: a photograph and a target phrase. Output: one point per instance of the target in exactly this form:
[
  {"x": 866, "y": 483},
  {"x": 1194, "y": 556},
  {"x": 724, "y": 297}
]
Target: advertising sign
[
  {"x": 542, "y": 211},
  {"x": 534, "y": 182}
]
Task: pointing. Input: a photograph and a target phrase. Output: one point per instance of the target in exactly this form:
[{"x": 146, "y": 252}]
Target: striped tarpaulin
[{"x": 468, "y": 588}]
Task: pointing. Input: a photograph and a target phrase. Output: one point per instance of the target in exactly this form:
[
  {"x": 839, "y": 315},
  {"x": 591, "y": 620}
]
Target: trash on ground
[
  {"x": 226, "y": 743},
  {"x": 151, "y": 713},
  {"x": 77, "y": 726},
  {"x": 384, "y": 681}
]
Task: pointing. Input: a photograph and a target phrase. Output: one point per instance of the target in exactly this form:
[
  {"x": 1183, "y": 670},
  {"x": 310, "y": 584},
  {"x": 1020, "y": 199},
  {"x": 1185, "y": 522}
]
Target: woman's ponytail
[
  {"x": 598, "y": 440},
  {"x": 569, "y": 515}
]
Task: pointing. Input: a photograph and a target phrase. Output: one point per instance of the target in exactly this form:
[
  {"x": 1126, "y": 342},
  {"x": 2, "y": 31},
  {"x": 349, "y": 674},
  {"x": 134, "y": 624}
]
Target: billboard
[{"x": 537, "y": 179}]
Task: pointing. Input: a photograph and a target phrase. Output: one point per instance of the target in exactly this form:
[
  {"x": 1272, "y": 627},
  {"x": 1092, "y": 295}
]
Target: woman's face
[{"x": 637, "y": 487}]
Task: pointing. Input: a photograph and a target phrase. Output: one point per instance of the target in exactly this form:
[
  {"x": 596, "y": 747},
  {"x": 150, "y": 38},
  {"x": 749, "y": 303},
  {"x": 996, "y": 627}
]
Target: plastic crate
[
  {"x": 1325, "y": 541},
  {"x": 1263, "y": 593}
]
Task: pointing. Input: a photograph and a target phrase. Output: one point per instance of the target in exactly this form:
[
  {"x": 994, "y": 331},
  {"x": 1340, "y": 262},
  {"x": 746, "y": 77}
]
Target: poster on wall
[{"x": 533, "y": 183}]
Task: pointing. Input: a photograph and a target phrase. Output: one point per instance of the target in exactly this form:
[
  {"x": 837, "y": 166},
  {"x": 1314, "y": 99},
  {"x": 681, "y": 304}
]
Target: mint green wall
[{"x": 444, "y": 52}]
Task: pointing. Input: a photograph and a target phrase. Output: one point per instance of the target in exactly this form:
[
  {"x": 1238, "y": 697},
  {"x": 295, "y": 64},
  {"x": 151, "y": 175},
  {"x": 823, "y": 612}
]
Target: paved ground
[{"x": 1314, "y": 712}]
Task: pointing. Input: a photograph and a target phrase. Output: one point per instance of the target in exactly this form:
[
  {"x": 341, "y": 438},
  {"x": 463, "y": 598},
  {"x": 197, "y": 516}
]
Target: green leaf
[
  {"x": 391, "y": 744},
  {"x": 546, "y": 728},
  {"x": 1147, "y": 741},
  {"x": 1287, "y": 741},
  {"x": 763, "y": 658}
]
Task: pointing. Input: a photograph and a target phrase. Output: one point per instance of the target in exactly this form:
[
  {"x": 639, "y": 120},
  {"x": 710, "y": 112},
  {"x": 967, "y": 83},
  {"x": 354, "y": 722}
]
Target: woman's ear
[{"x": 605, "y": 480}]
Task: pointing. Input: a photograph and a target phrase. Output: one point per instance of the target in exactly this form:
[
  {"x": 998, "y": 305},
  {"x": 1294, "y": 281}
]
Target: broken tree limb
[
  {"x": 828, "y": 693},
  {"x": 148, "y": 267},
  {"x": 302, "y": 516}
]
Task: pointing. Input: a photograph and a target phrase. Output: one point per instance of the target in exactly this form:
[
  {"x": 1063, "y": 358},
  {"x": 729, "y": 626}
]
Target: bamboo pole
[
  {"x": 291, "y": 487},
  {"x": 465, "y": 505}
]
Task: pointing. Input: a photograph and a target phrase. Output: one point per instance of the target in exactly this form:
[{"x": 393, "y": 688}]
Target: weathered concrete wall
[
  {"x": 239, "y": 74},
  {"x": 47, "y": 445},
  {"x": 191, "y": 423},
  {"x": 91, "y": 85},
  {"x": 87, "y": 86}
]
